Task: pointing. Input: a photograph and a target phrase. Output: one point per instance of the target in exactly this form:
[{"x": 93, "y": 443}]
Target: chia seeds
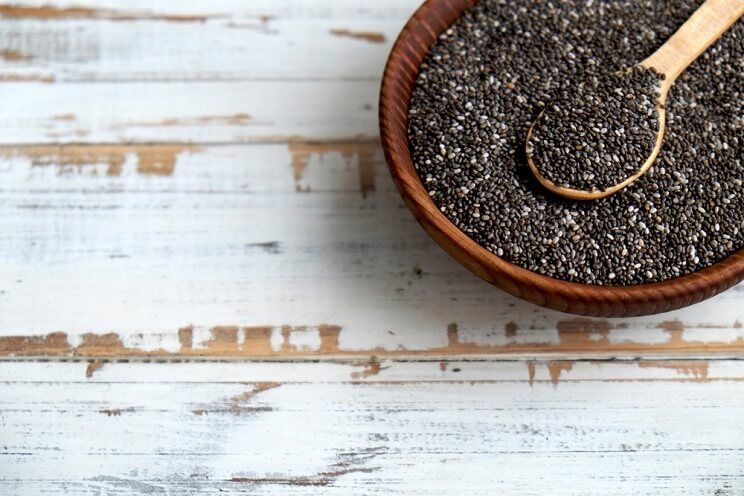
[
  {"x": 490, "y": 75},
  {"x": 600, "y": 133}
]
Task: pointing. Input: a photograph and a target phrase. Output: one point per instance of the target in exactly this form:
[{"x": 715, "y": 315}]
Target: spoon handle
[{"x": 703, "y": 27}]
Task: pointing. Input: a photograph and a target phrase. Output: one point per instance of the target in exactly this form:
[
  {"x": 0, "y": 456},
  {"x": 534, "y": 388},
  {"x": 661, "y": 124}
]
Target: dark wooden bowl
[{"x": 409, "y": 50}]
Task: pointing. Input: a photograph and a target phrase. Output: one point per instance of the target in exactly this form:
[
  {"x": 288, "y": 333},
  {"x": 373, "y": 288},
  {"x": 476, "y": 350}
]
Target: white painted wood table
[{"x": 209, "y": 284}]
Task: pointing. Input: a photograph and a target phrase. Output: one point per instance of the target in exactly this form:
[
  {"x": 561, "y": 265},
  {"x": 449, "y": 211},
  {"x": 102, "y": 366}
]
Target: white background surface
[{"x": 209, "y": 284}]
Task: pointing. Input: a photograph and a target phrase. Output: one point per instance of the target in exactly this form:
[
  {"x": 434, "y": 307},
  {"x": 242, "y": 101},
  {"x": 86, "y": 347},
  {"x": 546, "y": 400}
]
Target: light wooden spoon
[{"x": 704, "y": 26}]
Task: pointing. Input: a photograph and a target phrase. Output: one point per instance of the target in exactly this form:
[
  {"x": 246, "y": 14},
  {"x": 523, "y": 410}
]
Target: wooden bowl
[{"x": 409, "y": 50}]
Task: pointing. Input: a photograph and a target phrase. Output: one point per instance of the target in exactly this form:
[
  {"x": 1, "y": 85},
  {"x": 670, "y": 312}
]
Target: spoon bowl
[
  {"x": 596, "y": 194},
  {"x": 704, "y": 27}
]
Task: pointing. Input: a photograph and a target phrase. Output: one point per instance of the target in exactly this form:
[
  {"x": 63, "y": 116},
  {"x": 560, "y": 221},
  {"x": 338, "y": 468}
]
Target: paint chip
[
  {"x": 116, "y": 412},
  {"x": 370, "y": 36},
  {"x": 14, "y": 56},
  {"x": 151, "y": 159},
  {"x": 367, "y": 153},
  {"x": 186, "y": 338},
  {"x": 697, "y": 369},
  {"x": 329, "y": 335},
  {"x": 556, "y": 368},
  {"x": 236, "y": 405},
  {"x": 674, "y": 328},
  {"x": 582, "y": 331},
  {"x": 93, "y": 365},
  {"x": 46, "y": 12},
  {"x": 372, "y": 368}
]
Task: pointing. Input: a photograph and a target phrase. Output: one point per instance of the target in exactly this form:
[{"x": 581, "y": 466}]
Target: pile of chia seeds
[
  {"x": 490, "y": 75},
  {"x": 599, "y": 133}
]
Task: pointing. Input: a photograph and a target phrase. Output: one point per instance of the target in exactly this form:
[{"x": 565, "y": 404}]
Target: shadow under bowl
[{"x": 410, "y": 49}]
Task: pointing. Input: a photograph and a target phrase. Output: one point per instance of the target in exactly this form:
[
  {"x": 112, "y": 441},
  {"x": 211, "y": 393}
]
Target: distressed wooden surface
[
  {"x": 209, "y": 283},
  {"x": 408, "y": 428}
]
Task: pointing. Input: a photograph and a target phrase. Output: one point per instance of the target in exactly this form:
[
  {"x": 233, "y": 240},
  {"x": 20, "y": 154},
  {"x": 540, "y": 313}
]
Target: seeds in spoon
[{"x": 599, "y": 133}]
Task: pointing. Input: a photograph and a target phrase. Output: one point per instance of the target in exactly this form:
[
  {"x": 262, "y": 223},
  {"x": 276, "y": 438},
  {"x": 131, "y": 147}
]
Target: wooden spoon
[{"x": 705, "y": 26}]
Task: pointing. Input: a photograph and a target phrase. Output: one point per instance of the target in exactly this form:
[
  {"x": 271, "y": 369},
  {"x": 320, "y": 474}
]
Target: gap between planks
[
  {"x": 391, "y": 372},
  {"x": 576, "y": 337}
]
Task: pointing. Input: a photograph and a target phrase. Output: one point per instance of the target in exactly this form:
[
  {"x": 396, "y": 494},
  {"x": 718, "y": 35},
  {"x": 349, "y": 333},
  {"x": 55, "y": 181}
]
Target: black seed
[
  {"x": 489, "y": 76},
  {"x": 581, "y": 141}
]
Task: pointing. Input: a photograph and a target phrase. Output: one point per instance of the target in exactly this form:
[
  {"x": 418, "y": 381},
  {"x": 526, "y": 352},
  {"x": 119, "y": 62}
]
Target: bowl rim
[{"x": 423, "y": 28}]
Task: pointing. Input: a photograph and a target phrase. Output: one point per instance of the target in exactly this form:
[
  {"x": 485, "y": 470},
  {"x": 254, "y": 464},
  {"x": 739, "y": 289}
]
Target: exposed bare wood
[
  {"x": 226, "y": 207},
  {"x": 93, "y": 365},
  {"x": 576, "y": 337},
  {"x": 255, "y": 377},
  {"x": 210, "y": 284},
  {"x": 151, "y": 159},
  {"x": 370, "y": 36},
  {"x": 228, "y": 112},
  {"x": 14, "y": 55},
  {"x": 612, "y": 425},
  {"x": 234, "y": 119},
  {"x": 46, "y": 12},
  {"x": 26, "y": 78}
]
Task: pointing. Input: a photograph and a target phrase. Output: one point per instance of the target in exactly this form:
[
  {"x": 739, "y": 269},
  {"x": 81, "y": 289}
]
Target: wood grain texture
[
  {"x": 194, "y": 41},
  {"x": 210, "y": 284},
  {"x": 212, "y": 241},
  {"x": 606, "y": 301},
  {"x": 187, "y": 112},
  {"x": 706, "y": 25},
  {"x": 414, "y": 428}
]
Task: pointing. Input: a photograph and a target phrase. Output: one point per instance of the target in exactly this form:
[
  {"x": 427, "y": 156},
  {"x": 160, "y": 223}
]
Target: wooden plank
[
  {"x": 84, "y": 44},
  {"x": 334, "y": 167},
  {"x": 205, "y": 428},
  {"x": 491, "y": 369},
  {"x": 60, "y": 41},
  {"x": 156, "y": 10},
  {"x": 282, "y": 250},
  {"x": 202, "y": 243},
  {"x": 154, "y": 113}
]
